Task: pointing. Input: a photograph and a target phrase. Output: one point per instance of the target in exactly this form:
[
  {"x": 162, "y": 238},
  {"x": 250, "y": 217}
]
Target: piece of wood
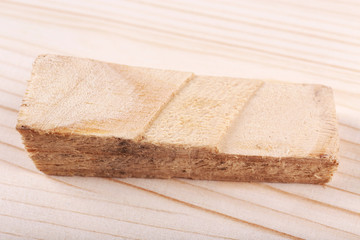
[
  {"x": 88, "y": 118},
  {"x": 314, "y": 42}
]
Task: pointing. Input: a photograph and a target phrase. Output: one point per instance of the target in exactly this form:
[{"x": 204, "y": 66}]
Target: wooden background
[{"x": 298, "y": 41}]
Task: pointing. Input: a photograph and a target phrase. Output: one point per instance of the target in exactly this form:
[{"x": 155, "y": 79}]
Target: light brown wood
[
  {"x": 314, "y": 42},
  {"x": 82, "y": 96},
  {"x": 88, "y": 118}
]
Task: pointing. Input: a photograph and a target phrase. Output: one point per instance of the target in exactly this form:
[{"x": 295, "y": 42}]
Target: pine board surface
[{"x": 296, "y": 41}]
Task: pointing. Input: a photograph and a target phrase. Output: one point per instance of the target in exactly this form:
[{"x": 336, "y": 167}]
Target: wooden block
[{"x": 89, "y": 118}]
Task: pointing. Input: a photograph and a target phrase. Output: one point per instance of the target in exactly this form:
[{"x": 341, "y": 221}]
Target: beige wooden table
[{"x": 298, "y": 41}]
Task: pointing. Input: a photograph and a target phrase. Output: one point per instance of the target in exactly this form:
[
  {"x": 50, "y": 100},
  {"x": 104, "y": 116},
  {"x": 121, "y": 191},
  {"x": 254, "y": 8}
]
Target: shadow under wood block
[{"x": 88, "y": 118}]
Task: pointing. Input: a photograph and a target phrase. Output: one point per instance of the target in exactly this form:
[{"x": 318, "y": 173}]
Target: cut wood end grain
[{"x": 90, "y": 118}]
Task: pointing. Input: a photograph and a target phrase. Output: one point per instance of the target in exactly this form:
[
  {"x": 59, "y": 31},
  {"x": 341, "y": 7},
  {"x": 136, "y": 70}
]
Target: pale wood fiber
[{"x": 315, "y": 42}]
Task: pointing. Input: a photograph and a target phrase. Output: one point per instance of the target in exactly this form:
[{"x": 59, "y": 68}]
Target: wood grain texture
[
  {"x": 133, "y": 96},
  {"x": 307, "y": 42},
  {"x": 82, "y": 117}
]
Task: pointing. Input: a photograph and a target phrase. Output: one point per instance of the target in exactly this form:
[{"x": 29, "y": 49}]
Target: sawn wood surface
[{"x": 294, "y": 41}]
